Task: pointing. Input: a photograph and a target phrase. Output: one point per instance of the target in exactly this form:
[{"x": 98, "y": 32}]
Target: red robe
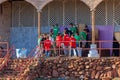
[
  {"x": 58, "y": 41},
  {"x": 47, "y": 44},
  {"x": 73, "y": 42},
  {"x": 66, "y": 40}
]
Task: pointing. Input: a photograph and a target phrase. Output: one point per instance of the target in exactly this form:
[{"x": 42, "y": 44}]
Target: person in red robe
[
  {"x": 66, "y": 45},
  {"x": 59, "y": 43},
  {"x": 47, "y": 46},
  {"x": 73, "y": 46}
]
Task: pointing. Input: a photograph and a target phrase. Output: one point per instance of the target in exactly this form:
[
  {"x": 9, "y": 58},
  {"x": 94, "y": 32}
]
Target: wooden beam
[
  {"x": 93, "y": 26},
  {"x": 39, "y": 23}
]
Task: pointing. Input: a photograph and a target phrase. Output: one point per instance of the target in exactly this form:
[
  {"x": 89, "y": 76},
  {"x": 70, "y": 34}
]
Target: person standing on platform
[
  {"x": 66, "y": 39},
  {"x": 67, "y": 31},
  {"x": 47, "y": 45},
  {"x": 53, "y": 51},
  {"x": 55, "y": 31},
  {"x": 39, "y": 49},
  {"x": 79, "y": 49},
  {"x": 87, "y": 36},
  {"x": 51, "y": 30},
  {"x": 42, "y": 42},
  {"x": 73, "y": 28},
  {"x": 39, "y": 39},
  {"x": 59, "y": 43},
  {"x": 83, "y": 36},
  {"x": 73, "y": 51}
]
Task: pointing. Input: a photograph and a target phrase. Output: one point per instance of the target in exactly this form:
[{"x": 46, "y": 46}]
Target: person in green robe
[
  {"x": 73, "y": 29},
  {"x": 83, "y": 36},
  {"x": 39, "y": 39},
  {"x": 55, "y": 31},
  {"x": 78, "y": 39}
]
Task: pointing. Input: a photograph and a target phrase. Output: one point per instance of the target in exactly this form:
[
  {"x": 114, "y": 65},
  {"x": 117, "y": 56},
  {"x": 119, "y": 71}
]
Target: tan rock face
[
  {"x": 87, "y": 67},
  {"x": 107, "y": 78},
  {"x": 97, "y": 76},
  {"x": 99, "y": 68},
  {"x": 109, "y": 74},
  {"x": 55, "y": 73},
  {"x": 108, "y": 68},
  {"x": 118, "y": 72},
  {"x": 113, "y": 66},
  {"x": 91, "y": 69},
  {"x": 93, "y": 73}
]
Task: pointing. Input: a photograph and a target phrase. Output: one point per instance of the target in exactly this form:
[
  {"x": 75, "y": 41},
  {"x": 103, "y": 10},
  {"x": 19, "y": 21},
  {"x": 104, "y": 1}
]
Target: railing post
[
  {"x": 100, "y": 48},
  {"x": 59, "y": 50},
  {"x": 119, "y": 50}
]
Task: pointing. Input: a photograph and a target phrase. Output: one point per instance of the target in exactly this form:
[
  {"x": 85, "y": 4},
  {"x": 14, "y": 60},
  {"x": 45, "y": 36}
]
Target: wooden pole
[
  {"x": 39, "y": 15},
  {"x": 93, "y": 26}
]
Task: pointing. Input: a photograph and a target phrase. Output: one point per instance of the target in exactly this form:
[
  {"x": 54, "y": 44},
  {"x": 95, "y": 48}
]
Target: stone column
[
  {"x": 93, "y": 48},
  {"x": 39, "y": 23},
  {"x": 93, "y": 26}
]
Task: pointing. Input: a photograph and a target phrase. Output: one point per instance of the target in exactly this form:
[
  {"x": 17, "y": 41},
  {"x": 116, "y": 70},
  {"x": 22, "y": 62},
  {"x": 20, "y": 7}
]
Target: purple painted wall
[{"x": 106, "y": 33}]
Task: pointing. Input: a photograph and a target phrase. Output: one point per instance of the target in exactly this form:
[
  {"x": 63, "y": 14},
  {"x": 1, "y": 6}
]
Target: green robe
[
  {"x": 83, "y": 35},
  {"x": 39, "y": 40},
  {"x": 77, "y": 37},
  {"x": 73, "y": 30},
  {"x": 55, "y": 31}
]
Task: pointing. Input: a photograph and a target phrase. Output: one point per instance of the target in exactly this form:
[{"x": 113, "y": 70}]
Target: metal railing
[
  {"x": 100, "y": 48},
  {"x": 5, "y": 46},
  {"x": 6, "y": 58}
]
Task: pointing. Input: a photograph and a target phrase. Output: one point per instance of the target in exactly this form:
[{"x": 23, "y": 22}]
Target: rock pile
[
  {"x": 61, "y": 67},
  {"x": 16, "y": 69},
  {"x": 86, "y": 68}
]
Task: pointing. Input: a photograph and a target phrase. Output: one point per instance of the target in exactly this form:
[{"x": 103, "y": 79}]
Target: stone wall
[
  {"x": 62, "y": 68},
  {"x": 76, "y": 68},
  {"x": 5, "y": 21}
]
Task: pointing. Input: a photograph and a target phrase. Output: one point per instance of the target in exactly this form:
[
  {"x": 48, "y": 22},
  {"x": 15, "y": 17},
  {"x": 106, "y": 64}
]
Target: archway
[
  {"x": 64, "y": 12},
  {"x": 18, "y": 23}
]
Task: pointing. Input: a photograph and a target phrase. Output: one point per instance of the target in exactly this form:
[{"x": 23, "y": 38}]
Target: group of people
[{"x": 68, "y": 43}]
